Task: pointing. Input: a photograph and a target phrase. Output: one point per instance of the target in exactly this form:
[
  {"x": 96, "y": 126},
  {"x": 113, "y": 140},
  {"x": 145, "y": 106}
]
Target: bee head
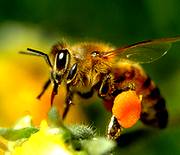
[{"x": 62, "y": 60}]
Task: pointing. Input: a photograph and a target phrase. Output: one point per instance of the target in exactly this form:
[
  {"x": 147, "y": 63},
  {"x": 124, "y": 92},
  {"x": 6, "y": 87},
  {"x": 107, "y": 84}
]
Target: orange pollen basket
[{"x": 127, "y": 108}]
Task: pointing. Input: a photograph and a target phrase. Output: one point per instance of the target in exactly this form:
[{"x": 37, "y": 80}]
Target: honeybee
[{"x": 85, "y": 68}]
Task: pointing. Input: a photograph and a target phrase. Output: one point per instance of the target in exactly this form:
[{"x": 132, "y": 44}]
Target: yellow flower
[
  {"x": 47, "y": 141},
  {"x": 53, "y": 138}
]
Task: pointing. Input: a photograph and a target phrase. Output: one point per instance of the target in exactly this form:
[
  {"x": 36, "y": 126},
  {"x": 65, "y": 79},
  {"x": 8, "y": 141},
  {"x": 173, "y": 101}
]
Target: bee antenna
[{"x": 37, "y": 53}]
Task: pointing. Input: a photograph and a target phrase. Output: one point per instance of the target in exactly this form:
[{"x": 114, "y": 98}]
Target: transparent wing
[{"x": 144, "y": 52}]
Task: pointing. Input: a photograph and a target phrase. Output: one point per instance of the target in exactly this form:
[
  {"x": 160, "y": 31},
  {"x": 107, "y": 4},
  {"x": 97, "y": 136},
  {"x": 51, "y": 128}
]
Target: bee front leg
[
  {"x": 46, "y": 85},
  {"x": 68, "y": 102},
  {"x": 54, "y": 92}
]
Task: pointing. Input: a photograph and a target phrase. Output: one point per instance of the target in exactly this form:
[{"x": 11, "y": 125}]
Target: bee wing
[{"x": 145, "y": 51}]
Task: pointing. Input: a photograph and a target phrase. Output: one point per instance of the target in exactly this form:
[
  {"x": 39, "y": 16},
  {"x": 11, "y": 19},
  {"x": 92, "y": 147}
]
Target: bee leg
[
  {"x": 68, "y": 102},
  {"x": 105, "y": 86},
  {"x": 114, "y": 129},
  {"x": 46, "y": 85},
  {"x": 54, "y": 92},
  {"x": 38, "y": 53}
]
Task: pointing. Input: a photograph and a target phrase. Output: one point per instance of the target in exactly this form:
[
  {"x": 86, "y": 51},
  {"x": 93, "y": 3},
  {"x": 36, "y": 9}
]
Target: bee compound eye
[
  {"x": 62, "y": 59},
  {"x": 72, "y": 73}
]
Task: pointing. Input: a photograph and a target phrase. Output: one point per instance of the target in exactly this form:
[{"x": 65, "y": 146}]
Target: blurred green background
[{"x": 32, "y": 23}]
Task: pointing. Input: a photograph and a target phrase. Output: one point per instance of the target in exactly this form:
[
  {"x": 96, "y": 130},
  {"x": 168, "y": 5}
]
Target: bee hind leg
[{"x": 114, "y": 129}]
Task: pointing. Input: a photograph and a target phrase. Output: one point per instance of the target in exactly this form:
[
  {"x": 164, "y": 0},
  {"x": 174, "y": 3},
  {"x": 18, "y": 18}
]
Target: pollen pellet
[{"x": 127, "y": 108}]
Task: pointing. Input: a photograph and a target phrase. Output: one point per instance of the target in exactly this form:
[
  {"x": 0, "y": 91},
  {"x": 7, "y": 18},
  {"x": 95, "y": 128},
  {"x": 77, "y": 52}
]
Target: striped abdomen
[{"x": 154, "y": 110}]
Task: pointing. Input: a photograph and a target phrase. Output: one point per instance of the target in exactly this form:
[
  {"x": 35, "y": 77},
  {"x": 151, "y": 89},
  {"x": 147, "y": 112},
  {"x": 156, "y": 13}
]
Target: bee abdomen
[
  {"x": 154, "y": 110},
  {"x": 161, "y": 113}
]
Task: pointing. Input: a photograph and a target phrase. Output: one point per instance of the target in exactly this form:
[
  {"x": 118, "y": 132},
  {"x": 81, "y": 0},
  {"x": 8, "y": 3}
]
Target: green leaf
[{"x": 16, "y": 134}]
